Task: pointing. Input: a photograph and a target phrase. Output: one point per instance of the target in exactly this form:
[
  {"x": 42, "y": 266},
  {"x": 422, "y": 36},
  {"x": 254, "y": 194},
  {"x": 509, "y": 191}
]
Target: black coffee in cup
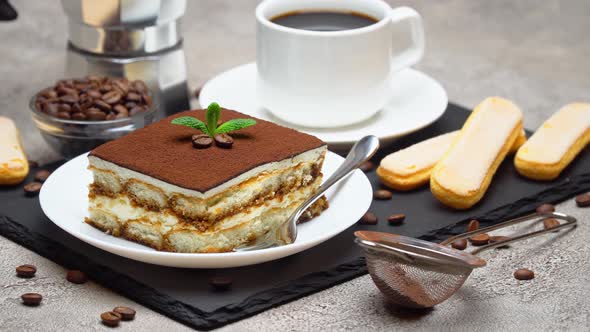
[{"x": 324, "y": 20}]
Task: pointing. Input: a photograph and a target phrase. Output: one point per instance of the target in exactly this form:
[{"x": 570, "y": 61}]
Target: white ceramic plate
[
  {"x": 417, "y": 100},
  {"x": 64, "y": 199}
]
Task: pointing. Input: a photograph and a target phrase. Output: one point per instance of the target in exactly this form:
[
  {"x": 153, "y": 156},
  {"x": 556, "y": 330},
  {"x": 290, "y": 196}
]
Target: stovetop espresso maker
[{"x": 137, "y": 39}]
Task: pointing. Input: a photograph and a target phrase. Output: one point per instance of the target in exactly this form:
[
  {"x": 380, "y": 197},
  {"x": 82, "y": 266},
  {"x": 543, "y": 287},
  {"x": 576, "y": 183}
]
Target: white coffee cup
[{"x": 331, "y": 78}]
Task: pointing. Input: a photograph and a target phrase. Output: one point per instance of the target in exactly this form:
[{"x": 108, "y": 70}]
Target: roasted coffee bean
[
  {"x": 26, "y": 271},
  {"x": 147, "y": 99},
  {"x": 95, "y": 115},
  {"x": 224, "y": 141},
  {"x": 125, "y": 312},
  {"x": 130, "y": 105},
  {"x": 368, "y": 218},
  {"x": 396, "y": 219},
  {"x": 367, "y": 166},
  {"x": 459, "y": 244},
  {"x": 583, "y": 200},
  {"x": 132, "y": 96},
  {"x": 545, "y": 208},
  {"x": 31, "y": 299},
  {"x": 76, "y": 277},
  {"x": 70, "y": 99},
  {"x": 32, "y": 188},
  {"x": 120, "y": 109},
  {"x": 135, "y": 110},
  {"x": 524, "y": 274},
  {"x": 64, "y": 108},
  {"x": 105, "y": 88},
  {"x": 78, "y": 116},
  {"x": 112, "y": 97},
  {"x": 550, "y": 223},
  {"x": 42, "y": 175},
  {"x": 479, "y": 239},
  {"x": 33, "y": 164},
  {"x": 202, "y": 141},
  {"x": 110, "y": 318},
  {"x": 64, "y": 115},
  {"x": 64, "y": 91},
  {"x": 102, "y": 105},
  {"x": 111, "y": 116},
  {"x": 473, "y": 225},
  {"x": 50, "y": 108},
  {"x": 140, "y": 86},
  {"x": 49, "y": 93},
  {"x": 221, "y": 283},
  {"x": 382, "y": 194},
  {"x": 197, "y": 92},
  {"x": 94, "y": 94},
  {"x": 122, "y": 85}
]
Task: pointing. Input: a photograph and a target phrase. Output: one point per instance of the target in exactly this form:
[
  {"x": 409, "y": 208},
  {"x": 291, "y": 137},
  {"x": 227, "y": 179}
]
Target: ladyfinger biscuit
[
  {"x": 14, "y": 166},
  {"x": 555, "y": 144},
  {"x": 462, "y": 176},
  {"x": 410, "y": 168}
]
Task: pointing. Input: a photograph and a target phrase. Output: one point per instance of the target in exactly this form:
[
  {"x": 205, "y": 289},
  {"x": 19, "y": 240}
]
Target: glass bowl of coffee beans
[{"x": 77, "y": 115}]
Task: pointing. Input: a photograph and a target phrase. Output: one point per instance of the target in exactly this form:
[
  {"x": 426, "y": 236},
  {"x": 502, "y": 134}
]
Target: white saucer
[
  {"x": 64, "y": 199},
  {"x": 417, "y": 100}
]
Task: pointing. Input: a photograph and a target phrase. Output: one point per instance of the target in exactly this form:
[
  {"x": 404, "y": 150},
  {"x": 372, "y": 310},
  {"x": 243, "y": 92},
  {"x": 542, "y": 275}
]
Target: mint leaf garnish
[
  {"x": 192, "y": 122},
  {"x": 234, "y": 124},
  {"x": 212, "y": 116}
]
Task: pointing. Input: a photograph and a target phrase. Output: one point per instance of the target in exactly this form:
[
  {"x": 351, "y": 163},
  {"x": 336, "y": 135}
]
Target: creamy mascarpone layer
[
  {"x": 125, "y": 210},
  {"x": 556, "y": 136},
  {"x": 482, "y": 138},
  {"x": 126, "y": 174}
]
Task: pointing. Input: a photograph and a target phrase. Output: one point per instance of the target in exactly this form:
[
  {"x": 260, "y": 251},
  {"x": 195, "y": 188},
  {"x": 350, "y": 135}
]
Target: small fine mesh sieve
[{"x": 414, "y": 273}]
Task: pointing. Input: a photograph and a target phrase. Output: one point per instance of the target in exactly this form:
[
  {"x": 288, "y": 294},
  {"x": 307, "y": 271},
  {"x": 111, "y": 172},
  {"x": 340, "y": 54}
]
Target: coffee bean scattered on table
[
  {"x": 31, "y": 299},
  {"x": 33, "y": 164},
  {"x": 479, "y": 239},
  {"x": 473, "y": 225},
  {"x": 550, "y": 223},
  {"x": 110, "y": 318},
  {"x": 367, "y": 166},
  {"x": 76, "y": 277},
  {"x": 202, "y": 141},
  {"x": 524, "y": 274},
  {"x": 32, "y": 189},
  {"x": 224, "y": 141},
  {"x": 396, "y": 219},
  {"x": 94, "y": 98},
  {"x": 221, "y": 283},
  {"x": 42, "y": 175},
  {"x": 583, "y": 200},
  {"x": 545, "y": 208},
  {"x": 26, "y": 271},
  {"x": 382, "y": 194},
  {"x": 368, "y": 218},
  {"x": 125, "y": 312},
  {"x": 459, "y": 244}
]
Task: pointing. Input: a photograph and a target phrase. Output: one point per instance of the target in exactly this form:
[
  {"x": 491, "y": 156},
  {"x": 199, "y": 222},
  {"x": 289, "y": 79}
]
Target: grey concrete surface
[{"x": 534, "y": 52}]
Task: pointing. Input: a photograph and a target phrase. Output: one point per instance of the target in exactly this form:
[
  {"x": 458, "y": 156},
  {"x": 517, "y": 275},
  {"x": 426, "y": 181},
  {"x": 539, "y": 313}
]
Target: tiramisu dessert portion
[{"x": 176, "y": 188}]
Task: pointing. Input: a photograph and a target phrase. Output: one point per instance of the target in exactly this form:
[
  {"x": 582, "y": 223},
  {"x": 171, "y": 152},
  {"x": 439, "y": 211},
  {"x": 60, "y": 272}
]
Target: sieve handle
[{"x": 569, "y": 222}]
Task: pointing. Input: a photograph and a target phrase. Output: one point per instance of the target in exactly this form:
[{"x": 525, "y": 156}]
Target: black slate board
[{"x": 184, "y": 295}]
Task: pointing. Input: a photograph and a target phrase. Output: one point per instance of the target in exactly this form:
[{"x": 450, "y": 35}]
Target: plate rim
[
  {"x": 187, "y": 260},
  {"x": 386, "y": 137}
]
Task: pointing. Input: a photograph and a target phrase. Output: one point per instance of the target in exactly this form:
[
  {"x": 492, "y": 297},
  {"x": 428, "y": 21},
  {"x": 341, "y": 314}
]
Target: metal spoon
[{"x": 286, "y": 233}]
